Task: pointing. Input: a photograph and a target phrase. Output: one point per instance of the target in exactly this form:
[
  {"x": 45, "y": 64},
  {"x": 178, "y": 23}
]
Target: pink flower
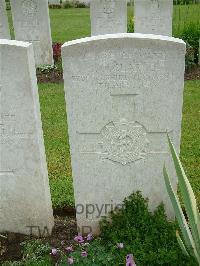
[
  {"x": 69, "y": 249},
  {"x": 70, "y": 260},
  {"x": 79, "y": 239},
  {"x": 130, "y": 260},
  {"x": 89, "y": 237},
  {"x": 54, "y": 252},
  {"x": 84, "y": 254},
  {"x": 120, "y": 245}
]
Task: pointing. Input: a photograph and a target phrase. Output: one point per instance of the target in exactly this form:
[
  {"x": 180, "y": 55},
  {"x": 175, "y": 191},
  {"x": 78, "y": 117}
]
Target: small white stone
[
  {"x": 24, "y": 187},
  {"x": 108, "y": 16},
  {"x": 32, "y": 24},
  {"x": 153, "y": 16},
  {"x": 54, "y": 2},
  {"x": 123, "y": 92}
]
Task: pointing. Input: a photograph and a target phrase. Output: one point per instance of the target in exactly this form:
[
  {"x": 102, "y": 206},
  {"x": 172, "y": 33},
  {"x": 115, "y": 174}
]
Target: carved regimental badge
[
  {"x": 124, "y": 142},
  {"x": 29, "y": 8}
]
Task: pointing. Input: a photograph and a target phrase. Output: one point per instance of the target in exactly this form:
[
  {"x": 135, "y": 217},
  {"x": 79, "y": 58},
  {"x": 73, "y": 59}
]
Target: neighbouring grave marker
[
  {"x": 32, "y": 24},
  {"x": 108, "y": 16},
  {"x": 153, "y": 16},
  {"x": 54, "y": 2},
  {"x": 124, "y": 93},
  {"x": 4, "y": 27},
  {"x": 25, "y": 203}
]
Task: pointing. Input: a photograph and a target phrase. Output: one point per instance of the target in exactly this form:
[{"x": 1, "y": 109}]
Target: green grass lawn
[
  {"x": 54, "y": 120},
  {"x": 57, "y": 146}
]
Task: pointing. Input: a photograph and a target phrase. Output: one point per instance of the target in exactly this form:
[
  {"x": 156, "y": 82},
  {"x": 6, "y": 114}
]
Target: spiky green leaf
[
  {"x": 189, "y": 242},
  {"x": 188, "y": 198},
  {"x": 181, "y": 244}
]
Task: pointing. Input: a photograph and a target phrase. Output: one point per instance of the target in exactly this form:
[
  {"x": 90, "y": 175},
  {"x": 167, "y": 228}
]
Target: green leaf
[
  {"x": 188, "y": 198},
  {"x": 181, "y": 244},
  {"x": 180, "y": 217}
]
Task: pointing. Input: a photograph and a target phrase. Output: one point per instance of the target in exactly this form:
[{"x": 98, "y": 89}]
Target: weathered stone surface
[
  {"x": 4, "y": 27},
  {"x": 123, "y": 93},
  {"x": 153, "y": 16},
  {"x": 24, "y": 190},
  {"x": 108, "y": 16},
  {"x": 32, "y": 24}
]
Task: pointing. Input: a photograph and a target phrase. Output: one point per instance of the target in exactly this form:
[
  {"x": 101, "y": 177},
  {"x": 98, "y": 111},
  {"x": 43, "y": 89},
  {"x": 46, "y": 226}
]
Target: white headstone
[
  {"x": 153, "y": 16},
  {"x": 32, "y": 24},
  {"x": 54, "y": 2},
  {"x": 108, "y": 16},
  {"x": 124, "y": 93},
  {"x": 4, "y": 27},
  {"x": 24, "y": 189}
]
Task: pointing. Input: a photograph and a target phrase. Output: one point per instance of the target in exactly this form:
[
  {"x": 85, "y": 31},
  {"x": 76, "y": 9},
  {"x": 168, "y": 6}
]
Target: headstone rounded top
[
  {"x": 125, "y": 36},
  {"x": 15, "y": 43}
]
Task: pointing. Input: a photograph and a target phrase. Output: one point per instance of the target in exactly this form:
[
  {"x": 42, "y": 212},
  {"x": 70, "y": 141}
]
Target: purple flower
[
  {"x": 54, "y": 252},
  {"x": 84, "y": 254},
  {"x": 79, "y": 239},
  {"x": 70, "y": 260},
  {"x": 89, "y": 237},
  {"x": 69, "y": 249},
  {"x": 130, "y": 260},
  {"x": 120, "y": 245}
]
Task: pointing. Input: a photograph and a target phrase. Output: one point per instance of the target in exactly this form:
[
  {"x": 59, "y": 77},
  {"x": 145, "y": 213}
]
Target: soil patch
[
  {"x": 194, "y": 73},
  {"x": 54, "y": 76},
  {"x": 63, "y": 233}
]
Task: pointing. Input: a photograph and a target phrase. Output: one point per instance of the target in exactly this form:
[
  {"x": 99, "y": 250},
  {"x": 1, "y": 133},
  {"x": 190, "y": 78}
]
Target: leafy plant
[
  {"x": 35, "y": 253},
  {"x": 79, "y": 4},
  {"x": 57, "y": 51},
  {"x": 131, "y": 230},
  {"x": 46, "y": 68},
  {"x": 190, "y": 33},
  {"x": 148, "y": 236},
  {"x": 55, "y": 6},
  {"x": 190, "y": 244},
  {"x": 67, "y": 4}
]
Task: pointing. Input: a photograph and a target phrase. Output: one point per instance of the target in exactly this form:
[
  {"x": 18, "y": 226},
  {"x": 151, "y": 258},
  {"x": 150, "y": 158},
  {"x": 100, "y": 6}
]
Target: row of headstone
[
  {"x": 32, "y": 24},
  {"x": 133, "y": 87},
  {"x": 151, "y": 16}
]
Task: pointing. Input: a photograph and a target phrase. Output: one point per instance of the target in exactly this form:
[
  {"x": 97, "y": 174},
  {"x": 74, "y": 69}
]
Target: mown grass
[
  {"x": 190, "y": 144},
  {"x": 57, "y": 146},
  {"x": 54, "y": 121},
  {"x": 184, "y": 16}
]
